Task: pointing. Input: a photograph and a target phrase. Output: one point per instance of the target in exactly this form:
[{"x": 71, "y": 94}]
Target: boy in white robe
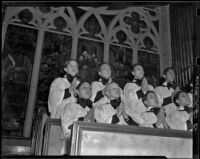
[
  {"x": 105, "y": 78},
  {"x": 149, "y": 112},
  {"x": 80, "y": 110},
  {"x": 63, "y": 88},
  {"x": 181, "y": 119},
  {"x": 109, "y": 109},
  {"x": 167, "y": 90},
  {"x": 134, "y": 91},
  {"x": 154, "y": 108}
]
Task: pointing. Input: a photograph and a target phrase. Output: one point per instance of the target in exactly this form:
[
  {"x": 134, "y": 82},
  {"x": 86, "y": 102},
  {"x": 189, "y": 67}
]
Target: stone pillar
[
  {"x": 165, "y": 39},
  {"x": 33, "y": 84}
]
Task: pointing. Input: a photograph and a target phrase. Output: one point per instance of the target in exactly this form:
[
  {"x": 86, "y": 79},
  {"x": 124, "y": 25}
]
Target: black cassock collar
[
  {"x": 103, "y": 80},
  {"x": 70, "y": 78},
  {"x": 84, "y": 102},
  {"x": 115, "y": 102},
  {"x": 170, "y": 85},
  {"x": 138, "y": 81}
]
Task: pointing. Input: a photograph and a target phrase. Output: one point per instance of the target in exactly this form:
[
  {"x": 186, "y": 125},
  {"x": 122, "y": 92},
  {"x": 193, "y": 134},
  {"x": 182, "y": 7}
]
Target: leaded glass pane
[{"x": 17, "y": 63}]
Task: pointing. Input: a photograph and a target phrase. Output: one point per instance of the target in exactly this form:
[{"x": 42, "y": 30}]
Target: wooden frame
[
  {"x": 80, "y": 127},
  {"x": 37, "y": 139},
  {"x": 50, "y": 123}
]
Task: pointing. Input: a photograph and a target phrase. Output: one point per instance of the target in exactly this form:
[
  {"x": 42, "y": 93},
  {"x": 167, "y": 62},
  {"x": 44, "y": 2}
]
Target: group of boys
[{"x": 103, "y": 101}]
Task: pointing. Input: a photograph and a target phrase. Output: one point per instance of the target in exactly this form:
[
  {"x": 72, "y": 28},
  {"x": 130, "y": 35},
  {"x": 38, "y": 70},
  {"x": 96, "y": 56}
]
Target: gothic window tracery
[{"x": 116, "y": 36}]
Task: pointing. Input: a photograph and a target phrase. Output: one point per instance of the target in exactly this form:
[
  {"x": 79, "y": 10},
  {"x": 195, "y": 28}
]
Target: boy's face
[
  {"x": 85, "y": 90},
  {"x": 105, "y": 71},
  {"x": 170, "y": 76},
  {"x": 183, "y": 99},
  {"x": 113, "y": 91},
  {"x": 152, "y": 100},
  {"x": 72, "y": 68},
  {"x": 138, "y": 72},
  {"x": 96, "y": 61}
]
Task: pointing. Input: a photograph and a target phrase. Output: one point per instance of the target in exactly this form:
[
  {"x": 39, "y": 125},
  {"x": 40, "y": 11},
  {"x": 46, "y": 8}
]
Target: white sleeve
[
  {"x": 159, "y": 92},
  {"x": 149, "y": 118},
  {"x": 130, "y": 96},
  {"x": 102, "y": 101},
  {"x": 56, "y": 94},
  {"x": 68, "y": 116},
  {"x": 98, "y": 115},
  {"x": 177, "y": 120},
  {"x": 103, "y": 113},
  {"x": 136, "y": 116},
  {"x": 135, "y": 111},
  {"x": 61, "y": 107},
  {"x": 179, "y": 116}
]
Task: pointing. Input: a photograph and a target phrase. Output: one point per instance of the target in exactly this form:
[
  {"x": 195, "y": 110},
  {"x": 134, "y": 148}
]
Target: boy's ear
[
  {"x": 164, "y": 76},
  {"x": 177, "y": 101},
  {"x": 132, "y": 73}
]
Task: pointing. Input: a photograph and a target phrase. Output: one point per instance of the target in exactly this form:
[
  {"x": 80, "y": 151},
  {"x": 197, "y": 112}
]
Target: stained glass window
[
  {"x": 17, "y": 62},
  {"x": 56, "y": 50},
  {"x": 89, "y": 56},
  {"x": 151, "y": 64}
]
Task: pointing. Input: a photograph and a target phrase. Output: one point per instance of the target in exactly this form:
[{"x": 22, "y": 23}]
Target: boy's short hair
[
  {"x": 108, "y": 84},
  {"x": 85, "y": 81},
  {"x": 136, "y": 64},
  {"x": 113, "y": 82},
  {"x": 145, "y": 96},
  {"x": 99, "y": 69},
  {"x": 167, "y": 69},
  {"x": 68, "y": 61}
]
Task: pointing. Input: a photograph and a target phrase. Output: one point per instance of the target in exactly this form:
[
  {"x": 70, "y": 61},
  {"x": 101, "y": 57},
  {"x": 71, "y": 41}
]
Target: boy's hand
[
  {"x": 120, "y": 110},
  {"x": 125, "y": 115},
  {"x": 166, "y": 126},
  {"x": 144, "y": 86},
  {"x": 160, "y": 116},
  {"x": 89, "y": 116},
  {"x": 72, "y": 88}
]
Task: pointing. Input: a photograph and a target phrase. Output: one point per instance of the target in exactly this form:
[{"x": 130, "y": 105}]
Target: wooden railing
[
  {"x": 106, "y": 139},
  {"x": 27, "y": 146},
  {"x": 122, "y": 140},
  {"x": 15, "y": 146},
  {"x": 38, "y": 131},
  {"x": 52, "y": 143}
]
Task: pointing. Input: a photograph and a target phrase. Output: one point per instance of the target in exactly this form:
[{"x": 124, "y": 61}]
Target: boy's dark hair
[
  {"x": 167, "y": 69},
  {"x": 136, "y": 64},
  {"x": 176, "y": 96},
  {"x": 145, "y": 96},
  {"x": 162, "y": 79},
  {"x": 82, "y": 83},
  {"x": 113, "y": 81},
  {"x": 68, "y": 61}
]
